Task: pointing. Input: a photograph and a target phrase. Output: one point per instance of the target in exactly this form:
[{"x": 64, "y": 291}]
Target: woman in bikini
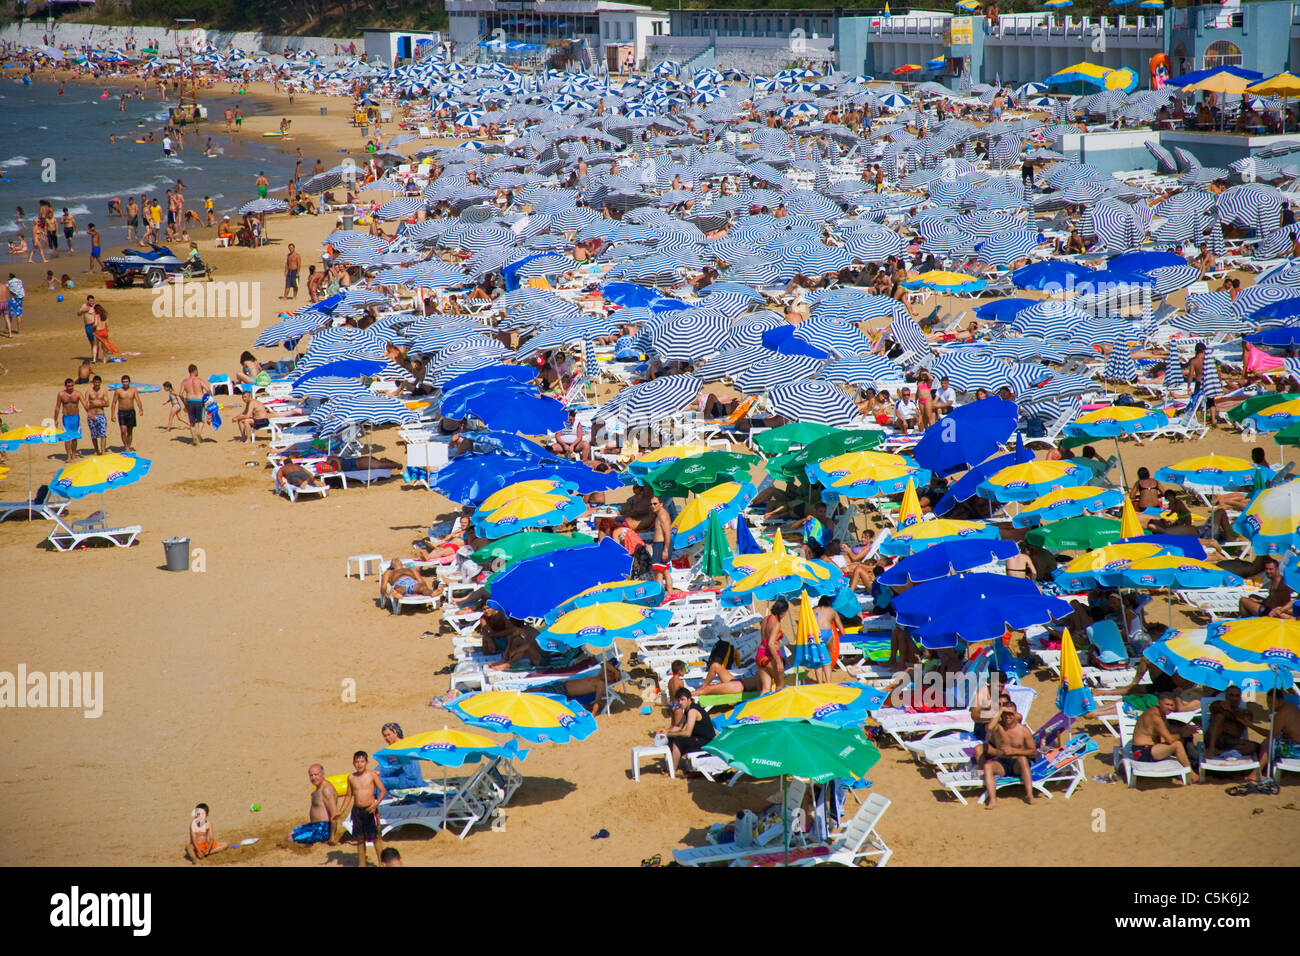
[
  {"x": 925, "y": 399},
  {"x": 771, "y": 668},
  {"x": 249, "y": 368},
  {"x": 719, "y": 680},
  {"x": 1021, "y": 565},
  {"x": 101, "y": 330},
  {"x": 1145, "y": 492}
]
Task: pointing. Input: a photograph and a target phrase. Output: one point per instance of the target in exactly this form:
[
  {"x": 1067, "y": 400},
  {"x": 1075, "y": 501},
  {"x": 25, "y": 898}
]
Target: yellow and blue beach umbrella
[
  {"x": 1074, "y": 698},
  {"x": 1068, "y": 503},
  {"x": 534, "y": 486},
  {"x": 1170, "y": 571},
  {"x": 663, "y": 456},
  {"x": 970, "y": 6},
  {"x": 778, "y": 573},
  {"x": 527, "y": 511},
  {"x": 1058, "y": 4},
  {"x": 742, "y": 564},
  {"x": 1272, "y": 520},
  {"x": 1265, "y": 640},
  {"x": 1220, "y": 471},
  {"x": 1087, "y": 570},
  {"x": 1123, "y": 79},
  {"x": 1276, "y": 417},
  {"x": 1115, "y": 420},
  {"x": 600, "y": 625},
  {"x": 97, "y": 474},
  {"x": 949, "y": 282},
  {"x": 1129, "y": 526},
  {"x": 837, "y": 704},
  {"x": 450, "y": 748},
  {"x": 726, "y": 500},
  {"x": 866, "y": 474},
  {"x": 920, "y": 536},
  {"x": 33, "y": 435},
  {"x": 1193, "y": 656},
  {"x": 1032, "y": 479},
  {"x": 909, "y": 512},
  {"x": 1079, "y": 72},
  {"x": 541, "y": 718},
  {"x": 627, "y": 591}
]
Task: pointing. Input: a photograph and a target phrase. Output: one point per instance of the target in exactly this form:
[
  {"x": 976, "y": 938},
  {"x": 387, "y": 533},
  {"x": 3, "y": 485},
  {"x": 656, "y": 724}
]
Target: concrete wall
[{"x": 77, "y": 34}]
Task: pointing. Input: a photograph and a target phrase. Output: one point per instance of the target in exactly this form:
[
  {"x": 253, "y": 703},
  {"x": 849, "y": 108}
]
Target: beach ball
[{"x": 59, "y": 299}]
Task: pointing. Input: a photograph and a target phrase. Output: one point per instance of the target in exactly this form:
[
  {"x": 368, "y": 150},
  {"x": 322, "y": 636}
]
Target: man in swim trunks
[
  {"x": 88, "y": 326},
  {"x": 292, "y": 263},
  {"x": 96, "y": 415},
  {"x": 194, "y": 391},
  {"x": 1277, "y": 603},
  {"x": 363, "y": 801},
  {"x": 126, "y": 406},
  {"x": 263, "y": 184},
  {"x": 1152, "y": 738},
  {"x": 1007, "y": 753},
  {"x": 661, "y": 548},
  {"x": 1286, "y": 727},
  {"x": 132, "y": 220},
  {"x": 95, "y": 264},
  {"x": 253, "y": 416},
  {"x": 636, "y": 509},
  {"x": 203, "y": 843},
  {"x": 324, "y": 807},
  {"x": 400, "y": 581},
  {"x": 67, "y": 412}
]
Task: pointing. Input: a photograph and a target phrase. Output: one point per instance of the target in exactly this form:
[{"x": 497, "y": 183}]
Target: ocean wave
[{"x": 14, "y": 161}]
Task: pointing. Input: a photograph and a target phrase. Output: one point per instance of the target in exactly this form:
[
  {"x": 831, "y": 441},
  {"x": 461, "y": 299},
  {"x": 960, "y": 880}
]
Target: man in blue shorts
[{"x": 67, "y": 412}]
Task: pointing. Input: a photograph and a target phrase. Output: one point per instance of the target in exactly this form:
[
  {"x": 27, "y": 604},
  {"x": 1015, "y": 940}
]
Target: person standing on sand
[
  {"x": 292, "y": 263},
  {"x": 69, "y": 228},
  {"x": 17, "y": 293},
  {"x": 126, "y": 406},
  {"x": 67, "y": 412},
  {"x": 38, "y": 240},
  {"x": 239, "y": 118},
  {"x": 97, "y": 416},
  {"x": 365, "y": 792},
  {"x": 230, "y": 118},
  {"x": 88, "y": 310},
  {"x": 195, "y": 392}
]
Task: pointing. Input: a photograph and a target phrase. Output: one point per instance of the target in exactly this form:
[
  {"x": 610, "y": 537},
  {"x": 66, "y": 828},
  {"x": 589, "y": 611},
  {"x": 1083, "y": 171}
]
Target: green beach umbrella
[
  {"x": 1075, "y": 534},
  {"x": 1257, "y": 402},
  {"x": 716, "y": 551},
  {"x": 1286, "y": 436},
  {"x": 527, "y": 544},
  {"x": 798, "y": 748},
  {"x": 793, "y": 464},
  {"x": 781, "y": 439},
  {"x": 681, "y": 478}
]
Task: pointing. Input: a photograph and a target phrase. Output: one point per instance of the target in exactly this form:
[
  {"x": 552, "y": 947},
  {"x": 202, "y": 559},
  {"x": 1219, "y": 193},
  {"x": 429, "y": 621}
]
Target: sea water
[{"x": 56, "y": 147}]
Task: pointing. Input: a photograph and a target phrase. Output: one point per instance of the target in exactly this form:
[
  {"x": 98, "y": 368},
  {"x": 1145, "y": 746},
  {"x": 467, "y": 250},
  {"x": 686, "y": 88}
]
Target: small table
[
  {"x": 656, "y": 750},
  {"x": 362, "y": 561}
]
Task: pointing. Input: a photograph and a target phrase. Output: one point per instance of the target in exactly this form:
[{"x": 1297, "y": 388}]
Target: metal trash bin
[
  {"x": 178, "y": 553},
  {"x": 347, "y": 223},
  {"x": 324, "y": 111}
]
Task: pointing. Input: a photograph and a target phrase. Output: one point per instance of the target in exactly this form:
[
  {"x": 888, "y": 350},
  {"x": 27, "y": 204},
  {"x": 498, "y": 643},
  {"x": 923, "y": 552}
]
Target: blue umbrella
[
  {"x": 1050, "y": 274},
  {"x": 988, "y": 619},
  {"x": 1003, "y": 310},
  {"x": 343, "y": 368},
  {"x": 512, "y": 444},
  {"x": 534, "y": 586},
  {"x": 454, "y": 402},
  {"x": 966, "y": 436},
  {"x": 966, "y": 487},
  {"x": 919, "y": 604},
  {"x": 522, "y": 411},
  {"x": 471, "y": 478},
  {"x": 1284, "y": 337},
  {"x": 491, "y": 373},
  {"x": 946, "y": 558},
  {"x": 584, "y": 479}
]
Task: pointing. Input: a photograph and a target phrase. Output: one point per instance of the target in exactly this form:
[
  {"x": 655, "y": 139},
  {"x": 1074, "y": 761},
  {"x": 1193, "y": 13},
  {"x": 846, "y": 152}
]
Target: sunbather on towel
[
  {"x": 520, "y": 646},
  {"x": 1007, "y": 754},
  {"x": 591, "y": 691},
  {"x": 295, "y": 474},
  {"x": 401, "y": 581},
  {"x": 1152, "y": 738}
]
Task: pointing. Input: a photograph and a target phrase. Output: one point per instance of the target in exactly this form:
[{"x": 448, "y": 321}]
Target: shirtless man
[
  {"x": 1007, "y": 753},
  {"x": 401, "y": 581},
  {"x": 636, "y": 509},
  {"x": 263, "y": 185},
  {"x": 364, "y": 803},
  {"x": 324, "y": 802},
  {"x": 520, "y": 645},
  {"x": 97, "y": 415},
  {"x": 1152, "y": 738},
  {"x": 292, "y": 263},
  {"x": 1286, "y": 727},
  {"x": 1229, "y": 721},
  {"x": 132, "y": 219},
  {"x": 194, "y": 392},
  {"x": 67, "y": 412},
  {"x": 495, "y": 628},
  {"x": 1277, "y": 603},
  {"x": 203, "y": 843},
  {"x": 661, "y": 549},
  {"x": 254, "y": 415}
]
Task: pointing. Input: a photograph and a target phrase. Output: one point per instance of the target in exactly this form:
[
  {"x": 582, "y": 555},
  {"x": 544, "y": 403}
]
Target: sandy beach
[{"x": 224, "y": 684}]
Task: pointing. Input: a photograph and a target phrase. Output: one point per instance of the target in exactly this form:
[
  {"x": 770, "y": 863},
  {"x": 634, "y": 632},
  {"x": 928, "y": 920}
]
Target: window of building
[
  {"x": 1222, "y": 53},
  {"x": 658, "y": 28}
]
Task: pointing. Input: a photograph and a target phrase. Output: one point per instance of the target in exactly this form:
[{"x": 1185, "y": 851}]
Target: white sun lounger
[
  {"x": 1220, "y": 764},
  {"x": 292, "y": 492},
  {"x": 858, "y": 841},
  {"x": 42, "y": 505},
  {"x": 1062, "y": 765},
  {"x": 65, "y": 537},
  {"x": 1132, "y": 769}
]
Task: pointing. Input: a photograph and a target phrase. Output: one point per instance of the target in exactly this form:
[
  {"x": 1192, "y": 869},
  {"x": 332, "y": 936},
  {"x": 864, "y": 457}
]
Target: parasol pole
[{"x": 785, "y": 813}]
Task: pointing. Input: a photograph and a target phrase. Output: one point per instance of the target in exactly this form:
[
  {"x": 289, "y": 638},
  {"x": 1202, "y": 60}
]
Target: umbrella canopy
[
  {"x": 966, "y": 436},
  {"x": 809, "y": 749},
  {"x": 783, "y": 438},
  {"x": 1195, "y": 657},
  {"x": 777, "y": 573},
  {"x": 1170, "y": 571},
  {"x": 924, "y": 534},
  {"x": 97, "y": 474},
  {"x": 838, "y": 704},
  {"x": 948, "y": 557},
  {"x": 679, "y": 478},
  {"x": 628, "y": 591},
  {"x": 1067, "y": 503},
  {"x": 518, "y": 489},
  {"x": 1084, "y": 572},
  {"x": 1074, "y": 698},
  {"x": 1272, "y": 520},
  {"x": 1075, "y": 534},
  {"x": 1114, "y": 420},
  {"x": 528, "y": 544},
  {"x": 866, "y": 474},
  {"x": 450, "y": 748},
  {"x": 1266, "y": 640},
  {"x": 653, "y": 460},
  {"x": 528, "y": 510},
  {"x": 600, "y": 625},
  {"x": 535, "y": 586},
  {"x": 1220, "y": 471},
  {"x": 541, "y": 718},
  {"x": 726, "y": 501},
  {"x": 1031, "y": 480}
]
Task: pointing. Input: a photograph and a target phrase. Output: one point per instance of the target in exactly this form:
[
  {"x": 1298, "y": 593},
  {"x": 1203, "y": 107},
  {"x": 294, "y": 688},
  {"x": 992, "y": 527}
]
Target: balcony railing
[{"x": 1038, "y": 25}]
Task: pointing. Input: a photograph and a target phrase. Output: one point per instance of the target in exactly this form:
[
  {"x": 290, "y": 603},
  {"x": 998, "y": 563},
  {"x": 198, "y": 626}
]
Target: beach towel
[
  {"x": 306, "y": 834},
  {"x": 213, "y": 411}
]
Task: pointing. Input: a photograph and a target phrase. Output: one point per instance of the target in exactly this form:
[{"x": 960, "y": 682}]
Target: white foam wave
[{"x": 14, "y": 161}]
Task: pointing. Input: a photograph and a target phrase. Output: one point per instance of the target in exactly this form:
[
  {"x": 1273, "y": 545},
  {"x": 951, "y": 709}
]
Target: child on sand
[
  {"x": 173, "y": 402},
  {"x": 203, "y": 842},
  {"x": 365, "y": 792}
]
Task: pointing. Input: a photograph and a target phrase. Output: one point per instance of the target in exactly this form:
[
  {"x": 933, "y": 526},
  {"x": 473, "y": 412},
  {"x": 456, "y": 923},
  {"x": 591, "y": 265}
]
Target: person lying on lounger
[
  {"x": 719, "y": 680},
  {"x": 520, "y": 646},
  {"x": 296, "y": 475},
  {"x": 402, "y": 581},
  {"x": 596, "y": 687}
]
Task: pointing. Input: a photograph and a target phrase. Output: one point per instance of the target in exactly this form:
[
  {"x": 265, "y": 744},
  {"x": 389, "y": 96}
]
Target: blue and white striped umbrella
[
  {"x": 438, "y": 339},
  {"x": 472, "y": 117},
  {"x": 1174, "y": 380},
  {"x": 1172, "y": 278},
  {"x": 1006, "y": 248},
  {"x": 1286, "y": 274},
  {"x": 649, "y": 402},
  {"x": 400, "y": 208},
  {"x": 292, "y": 328},
  {"x": 814, "y": 401},
  {"x": 1119, "y": 364},
  {"x": 330, "y": 386},
  {"x": 365, "y": 407},
  {"x": 1114, "y": 225},
  {"x": 857, "y": 305},
  {"x": 263, "y": 205},
  {"x": 815, "y": 259},
  {"x": 1211, "y": 386},
  {"x": 1252, "y": 205},
  {"x": 689, "y": 335},
  {"x": 968, "y": 370},
  {"x": 776, "y": 370},
  {"x": 432, "y": 275},
  {"x": 731, "y": 362},
  {"x": 1050, "y": 318},
  {"x": 835, "y": 336},
  {"x": 984, "y": 225},
  {"x": 873, "y": 244},
  {"x": 861, "y": 369},
  {"x": 1259, "y": 295}
]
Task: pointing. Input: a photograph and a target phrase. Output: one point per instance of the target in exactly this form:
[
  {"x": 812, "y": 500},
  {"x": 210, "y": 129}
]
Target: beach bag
[{"x": 642, "y": 566}]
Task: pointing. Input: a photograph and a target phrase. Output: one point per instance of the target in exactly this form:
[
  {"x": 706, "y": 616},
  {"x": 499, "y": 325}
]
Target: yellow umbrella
[
  {"x": 1221, "y": 82},
  {"x": 726, "y": 500},
  {"x": 1285, "y": 85},
  {"x": 806, "y": 631},
  {"x": 1074, "y": 699},
  {"x": 538, "y": 486},
  {"x": 1129, "y": 526},
  {"x": 909, "y": 513}
]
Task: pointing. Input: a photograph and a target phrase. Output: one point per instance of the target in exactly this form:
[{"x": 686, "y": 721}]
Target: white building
[
  {"x": 389, "y": 46},
  {"x": 600, "y": 24}
]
